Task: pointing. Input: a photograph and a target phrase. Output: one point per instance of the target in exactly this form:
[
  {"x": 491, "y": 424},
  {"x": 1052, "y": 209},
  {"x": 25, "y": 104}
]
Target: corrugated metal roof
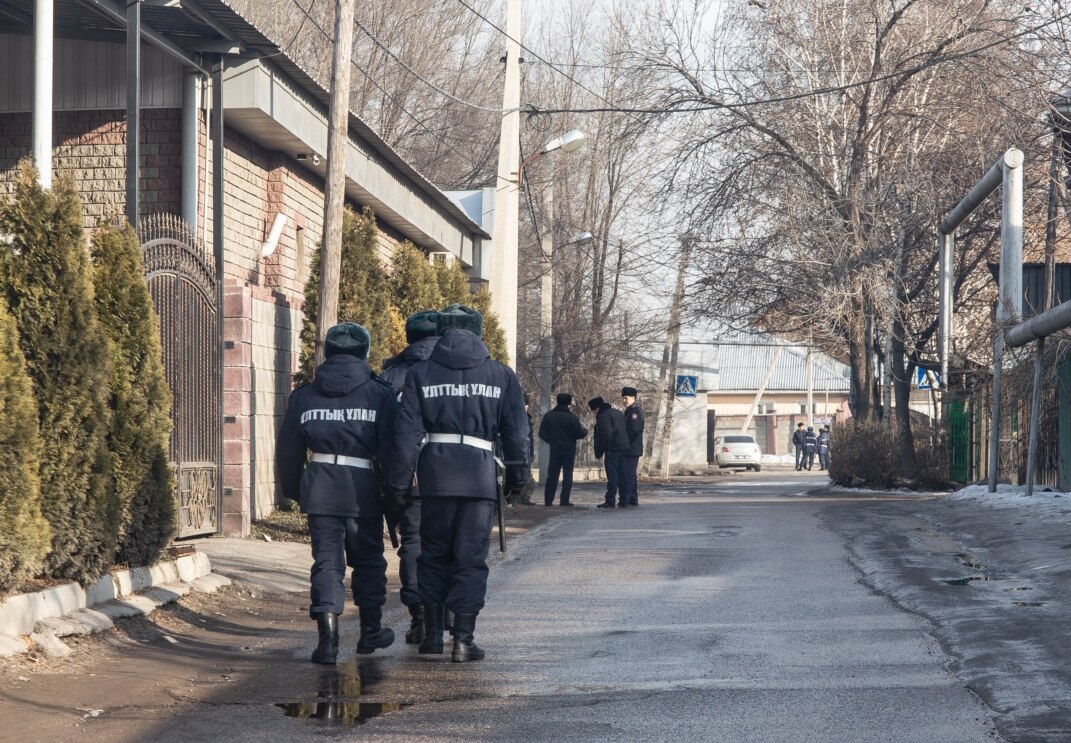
[
  {"x": 742, "y": 366},
  {"x": 178, "y": 24}
]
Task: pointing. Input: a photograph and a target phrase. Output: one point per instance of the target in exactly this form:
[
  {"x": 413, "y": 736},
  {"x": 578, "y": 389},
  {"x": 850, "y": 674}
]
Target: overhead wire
[
  {"x": 761, "y": 102},
  {"x": 420, "y": 77},
  {"x": 391, "y": 98}
]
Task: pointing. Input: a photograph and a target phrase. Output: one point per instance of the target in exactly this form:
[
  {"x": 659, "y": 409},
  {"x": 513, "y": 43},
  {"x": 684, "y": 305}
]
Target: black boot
[
  {"x": 373, "y": 636},
  {"x": 448, "y": 620},
  {"x": 465, "y": 648},
  {"x": 432, "y": 643},
  {"x": 326, "y": 651},
  {"x": 415, "y": 634}
]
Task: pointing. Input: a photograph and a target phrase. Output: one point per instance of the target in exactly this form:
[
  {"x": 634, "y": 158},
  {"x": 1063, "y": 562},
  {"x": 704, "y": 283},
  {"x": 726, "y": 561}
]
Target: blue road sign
[
  {"x": 922, "y": 381},
  {"x": 686, "y": 385}
]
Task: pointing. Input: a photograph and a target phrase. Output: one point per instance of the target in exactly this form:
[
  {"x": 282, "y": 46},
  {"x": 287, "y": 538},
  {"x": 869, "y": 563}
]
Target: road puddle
[
  {"x": 338, "y": 696},
  {"x": 346, "y": 713},
  {"x": 966, "y": 581}
]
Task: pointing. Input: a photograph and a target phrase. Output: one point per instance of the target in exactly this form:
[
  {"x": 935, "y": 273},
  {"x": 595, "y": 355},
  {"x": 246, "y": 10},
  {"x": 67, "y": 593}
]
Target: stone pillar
[{"x": 237, "y": 407}]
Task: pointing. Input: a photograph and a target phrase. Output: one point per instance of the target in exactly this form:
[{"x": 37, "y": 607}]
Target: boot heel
[{"x": 432, "y": 642}]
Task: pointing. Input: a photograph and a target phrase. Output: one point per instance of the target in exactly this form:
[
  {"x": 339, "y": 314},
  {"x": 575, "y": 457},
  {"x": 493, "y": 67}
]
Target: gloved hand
[
  {"x": 398, "y": 498},
  {"x": 517, "y": 477}
]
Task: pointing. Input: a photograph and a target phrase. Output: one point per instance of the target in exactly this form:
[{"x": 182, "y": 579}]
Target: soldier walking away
[
  {"x": 810, "y": 447},
  {"x": 611, "y": 439},
  {"x": 336, "y": 431},
  {"x": 560, "y": 429},
  {"x": 797, "y": 442},
  {"x": 524, "y": 497},
  {"x": 421, "y": 334},
  {"x": 823, "y": 447},
  {"x": 634, "y": 427},
  {"x": 457, "y": 402}
]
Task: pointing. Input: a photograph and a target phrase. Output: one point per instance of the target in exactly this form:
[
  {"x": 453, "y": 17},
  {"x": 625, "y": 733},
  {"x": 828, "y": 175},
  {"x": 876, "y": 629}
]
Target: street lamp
[{"x": 568, "y": 142}]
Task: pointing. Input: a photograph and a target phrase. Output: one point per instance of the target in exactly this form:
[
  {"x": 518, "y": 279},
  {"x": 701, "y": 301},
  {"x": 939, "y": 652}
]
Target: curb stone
[{"x": 39, "y": 619}]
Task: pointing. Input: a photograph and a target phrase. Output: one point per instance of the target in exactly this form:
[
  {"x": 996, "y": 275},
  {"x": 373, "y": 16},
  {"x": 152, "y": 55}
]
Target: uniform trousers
[
  {"x": 823, "y": 458},
  {"x": 561, "y": 463},
  {"x": 409, "y": 552},
  {"x": 630, "y": 485},
  {"x": 455, "y": 537},
  {"x": 336, "y": 543},
  {"x": 614, "y": 462}
]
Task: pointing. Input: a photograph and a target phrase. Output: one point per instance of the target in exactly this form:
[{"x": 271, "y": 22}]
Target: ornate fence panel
[{"x": 182, "y": 280}]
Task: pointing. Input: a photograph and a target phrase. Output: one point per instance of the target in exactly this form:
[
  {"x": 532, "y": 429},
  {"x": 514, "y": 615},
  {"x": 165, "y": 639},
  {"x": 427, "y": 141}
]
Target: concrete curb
[{"x": 39, "y": 619}]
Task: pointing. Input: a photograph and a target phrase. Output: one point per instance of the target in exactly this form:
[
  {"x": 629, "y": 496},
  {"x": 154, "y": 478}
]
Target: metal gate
[
  {"x": 182, "y": 280},
  {"x": 959, "y": 469}
]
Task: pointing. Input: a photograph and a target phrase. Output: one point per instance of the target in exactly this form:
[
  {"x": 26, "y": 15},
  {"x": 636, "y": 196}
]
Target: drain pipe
[
  {"x": 43, "y": 22},
  {"x": 191, "y": 94}
]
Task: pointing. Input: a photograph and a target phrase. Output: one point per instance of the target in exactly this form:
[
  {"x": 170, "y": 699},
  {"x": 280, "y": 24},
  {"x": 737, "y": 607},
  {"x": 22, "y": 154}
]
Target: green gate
[{"x": 959, "y": 441}]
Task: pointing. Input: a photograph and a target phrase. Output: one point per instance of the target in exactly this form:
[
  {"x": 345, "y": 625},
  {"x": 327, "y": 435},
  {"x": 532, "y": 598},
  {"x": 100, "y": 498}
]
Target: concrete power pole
[
  {"x": 335, "y": 188},
  {"x": 673, "y": 337},
  {"x": 507, "y": 188}
]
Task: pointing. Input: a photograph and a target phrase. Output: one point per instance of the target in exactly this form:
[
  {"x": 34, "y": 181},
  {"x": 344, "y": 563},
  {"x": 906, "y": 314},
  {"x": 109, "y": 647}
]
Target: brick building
[{"x": 200, "y": 59}]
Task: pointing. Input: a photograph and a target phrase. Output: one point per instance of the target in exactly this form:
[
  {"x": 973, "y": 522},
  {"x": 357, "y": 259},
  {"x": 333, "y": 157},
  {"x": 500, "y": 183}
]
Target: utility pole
[
  {"x": 766, "y": 376},
  {"x": 668, "y": 373},
  {"x": 810, "y": 383},
  {"x": 335, "y": 188},
  {"x": 43, "y": 39},
  {"x": 504, "y": 238},
  {"x": 546, "y": 322}
]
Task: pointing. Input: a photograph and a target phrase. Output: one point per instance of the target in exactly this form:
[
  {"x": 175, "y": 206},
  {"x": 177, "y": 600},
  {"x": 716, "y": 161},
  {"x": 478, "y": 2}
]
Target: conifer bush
[
  {"x": 24, "y": 532},
  {"x": 414, "y": 282},
  {"x": 140, "y": 397},
  {"x": 382, "y": 302},
  {"x": 45, "y": 279},
  {"x": 364, "y": 292}
]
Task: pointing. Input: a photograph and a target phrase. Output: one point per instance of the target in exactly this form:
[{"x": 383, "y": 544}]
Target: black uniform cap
[
  {"x": 420, "y": 325},
  {"x": 348, "y": 338},
  {"x": 628, "y": 392},
  {"x": 458, "y": 316},
  {"x": 595, "y": 403},
  {"x": 564, "y": 398}
]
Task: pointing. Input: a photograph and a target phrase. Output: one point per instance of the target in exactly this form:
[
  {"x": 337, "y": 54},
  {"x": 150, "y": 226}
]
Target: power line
[
  {"x": 383, "y": 90},
  {"x": 762, "y": 102},
  {"x": 421, "y": 78}
]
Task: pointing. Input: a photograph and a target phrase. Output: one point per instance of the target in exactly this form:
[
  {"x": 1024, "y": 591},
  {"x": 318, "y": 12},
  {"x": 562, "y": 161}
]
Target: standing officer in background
[
  {"x": 823, "y": 448},
  {"x": 335, "y": 430},
  {"x": 611, "y": 439},
  {"x": 421, "y": 334},
  {"x": 797, "y": 442},
  {"x": 810, "y": 447},
  {"x": 630, "y": 495},
  {"x": 460, "y": 400},
  {"x": 561, "y": 430}
]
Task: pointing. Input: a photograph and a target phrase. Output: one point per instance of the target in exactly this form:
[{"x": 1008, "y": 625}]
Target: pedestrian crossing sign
[{"x": 686, "y": 385}]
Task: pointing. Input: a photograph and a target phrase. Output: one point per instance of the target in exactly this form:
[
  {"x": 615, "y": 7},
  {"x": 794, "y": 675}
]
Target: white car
[{"x": 737, "y": 450}]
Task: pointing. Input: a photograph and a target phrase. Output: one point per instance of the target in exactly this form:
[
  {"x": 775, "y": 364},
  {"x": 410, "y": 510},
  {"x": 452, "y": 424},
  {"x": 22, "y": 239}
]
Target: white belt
[
  {"x": 457, "y": 438},
  {"x": 342, "y": 459}
]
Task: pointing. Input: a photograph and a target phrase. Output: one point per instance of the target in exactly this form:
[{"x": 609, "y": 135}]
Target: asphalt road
[{"x": 714, "y": 612}]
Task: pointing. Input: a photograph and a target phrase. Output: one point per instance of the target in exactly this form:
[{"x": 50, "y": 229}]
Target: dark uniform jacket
[
  {"x": 561, "y": 429},
  {"x": 634, "y": 428},
  {"x": 797, "y": 438},
  {"x": 459, "y": 390},
  {"x": 610, "y": 433},
  {"x": 810, "y": 442},
  {"x": 823, "y": 441},
  {"x": 346, "y": 410},
  {"x": 395, "y": 368}
]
